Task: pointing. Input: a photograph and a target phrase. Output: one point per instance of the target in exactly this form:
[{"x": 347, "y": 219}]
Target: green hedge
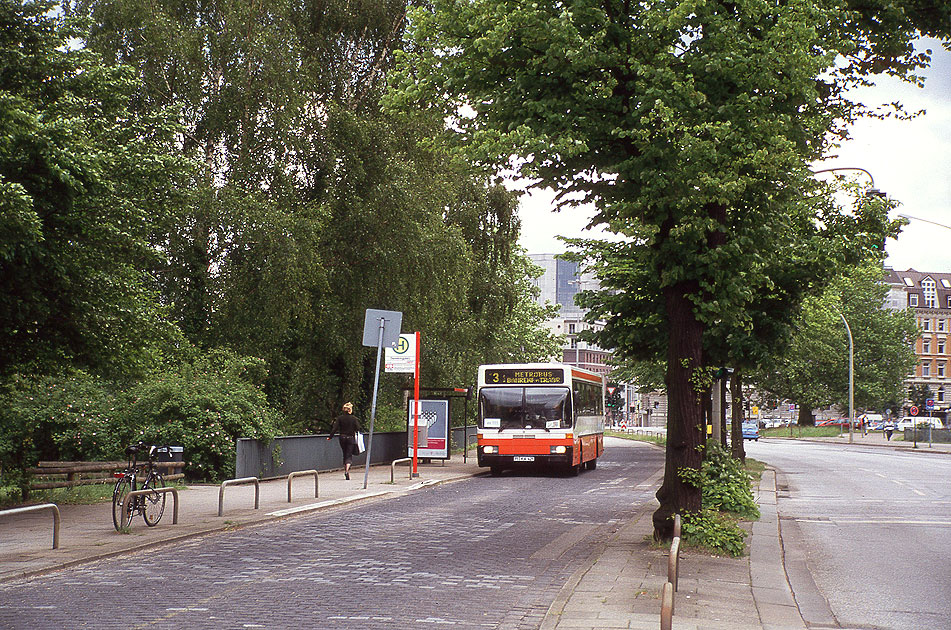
[{"x": 202, "y": 406}]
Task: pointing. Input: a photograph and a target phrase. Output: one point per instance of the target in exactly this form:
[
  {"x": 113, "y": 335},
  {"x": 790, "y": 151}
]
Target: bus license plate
[{"x": 523, "y": 458}]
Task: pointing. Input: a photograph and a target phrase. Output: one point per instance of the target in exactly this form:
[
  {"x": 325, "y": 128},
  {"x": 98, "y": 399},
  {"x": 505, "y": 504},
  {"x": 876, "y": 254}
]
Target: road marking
[{"x": 883, "y": 521}]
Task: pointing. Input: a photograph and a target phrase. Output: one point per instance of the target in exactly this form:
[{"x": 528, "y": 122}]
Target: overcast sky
[{"x": 910, "y": 161}]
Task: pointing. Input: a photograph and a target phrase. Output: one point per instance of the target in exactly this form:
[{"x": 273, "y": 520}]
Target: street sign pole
[
  {"x": 387, "y": 325},
  {"x": 416, "y": 413}
]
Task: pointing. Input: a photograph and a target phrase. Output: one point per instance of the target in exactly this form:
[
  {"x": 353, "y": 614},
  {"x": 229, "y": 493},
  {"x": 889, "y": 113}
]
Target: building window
[
  {"x": 940, "y": 394},
  {"x": 926, "y": 325},
  {"x": 926, "y": 368},
  {"x": 571, "y": 329},
  {"x": 926, "y": 346},
  {"x": 930, "y": 293},
  {"x": 940, "y": 325},
  {"x": 941, "y": 368},
  {"x": 940, "y": 346},
  {"x": 913, "y": 299}
]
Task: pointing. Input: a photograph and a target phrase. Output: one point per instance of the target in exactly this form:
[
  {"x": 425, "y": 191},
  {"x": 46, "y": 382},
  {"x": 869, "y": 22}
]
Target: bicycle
[{"x": 150, "y": 506}]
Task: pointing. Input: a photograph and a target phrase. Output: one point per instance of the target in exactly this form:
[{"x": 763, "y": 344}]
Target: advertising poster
[{"x": 433, "y": 429}]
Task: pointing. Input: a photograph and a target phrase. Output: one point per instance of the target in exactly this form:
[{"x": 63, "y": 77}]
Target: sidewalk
[
  {"x": 621, "y": 584},
  {"x": 87, "y": 532}
]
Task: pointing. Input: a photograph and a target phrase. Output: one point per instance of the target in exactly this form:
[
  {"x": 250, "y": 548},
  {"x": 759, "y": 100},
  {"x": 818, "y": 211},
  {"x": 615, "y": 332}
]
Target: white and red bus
[{"x": 540, "y": 413}]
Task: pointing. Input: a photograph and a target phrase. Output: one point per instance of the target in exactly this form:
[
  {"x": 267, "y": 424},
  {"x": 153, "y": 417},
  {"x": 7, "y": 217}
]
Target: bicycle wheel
[
  {"x": 121, "y": 505},
  {"x": 155, "y": 501}
]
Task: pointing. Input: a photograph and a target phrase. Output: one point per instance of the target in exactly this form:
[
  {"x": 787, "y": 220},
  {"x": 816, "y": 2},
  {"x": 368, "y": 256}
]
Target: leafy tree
[
  {"x": 813, "y": 369},
  {"x": 83, "y": 182},
  {"x": 690, "y": 126},
  {"x": 918, "y": 394},
  {"x": 315, "y": 203}
]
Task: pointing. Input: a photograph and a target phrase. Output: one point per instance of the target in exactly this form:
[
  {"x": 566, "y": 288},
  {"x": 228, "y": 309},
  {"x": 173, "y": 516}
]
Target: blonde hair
[{"x": 348, "y": 406}]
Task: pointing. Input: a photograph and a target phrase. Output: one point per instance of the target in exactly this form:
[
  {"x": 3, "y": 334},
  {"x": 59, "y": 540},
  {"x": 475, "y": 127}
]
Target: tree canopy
[
  {"x": 184, "y": 180},
  {"x": 813, "y": 369},
  {"x": 83, "y": 184},
  {"x": 691, "y": 126}
]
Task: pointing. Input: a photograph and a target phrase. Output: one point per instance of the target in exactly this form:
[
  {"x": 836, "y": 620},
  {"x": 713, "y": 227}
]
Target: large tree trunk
[
  {"x": 736, "y": 427},
  {"x": 806, "y": 418},
  {"x": 684, "y": 415}
]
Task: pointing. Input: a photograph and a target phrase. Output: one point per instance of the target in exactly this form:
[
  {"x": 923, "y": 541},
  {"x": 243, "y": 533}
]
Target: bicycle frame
[{"x": 123, "y": 510}]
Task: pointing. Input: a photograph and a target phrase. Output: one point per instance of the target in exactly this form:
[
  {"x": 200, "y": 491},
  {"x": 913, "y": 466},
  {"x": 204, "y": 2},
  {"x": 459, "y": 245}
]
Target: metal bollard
[
  {"x": 673, "y": 562},
  {"x": 234, "y": 482},
  {"x": 667, "y": 607},
  {"x": 37, "y": 508},
  {"x": 148, "y": 491},
  {"x": 302, "y": 473},
  {"x": 400, "y": 461}
]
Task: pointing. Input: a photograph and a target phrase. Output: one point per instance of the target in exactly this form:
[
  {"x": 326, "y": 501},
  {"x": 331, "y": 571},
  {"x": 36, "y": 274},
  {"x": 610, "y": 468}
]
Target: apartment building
[{"x": 928, "y": 295}]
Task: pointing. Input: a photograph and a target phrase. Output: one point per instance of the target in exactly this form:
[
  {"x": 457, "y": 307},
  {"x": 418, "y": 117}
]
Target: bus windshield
[{"x": 525, "y": 408}]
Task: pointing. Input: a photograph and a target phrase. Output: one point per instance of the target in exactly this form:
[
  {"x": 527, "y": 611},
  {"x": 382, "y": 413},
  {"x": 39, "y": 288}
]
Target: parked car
[
  {"x": 840, "y": 422},
  {"x": 750, "y": 431}
]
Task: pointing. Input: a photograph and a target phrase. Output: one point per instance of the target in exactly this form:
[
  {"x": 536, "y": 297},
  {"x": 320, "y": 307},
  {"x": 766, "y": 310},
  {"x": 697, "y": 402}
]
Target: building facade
[
  {"x": 559, "y": 283},
  {"x": 928, "y": 295}
]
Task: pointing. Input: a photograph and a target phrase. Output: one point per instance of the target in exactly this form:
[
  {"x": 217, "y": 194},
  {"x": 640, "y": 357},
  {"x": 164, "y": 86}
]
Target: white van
[{"x": 909, "y": 422}]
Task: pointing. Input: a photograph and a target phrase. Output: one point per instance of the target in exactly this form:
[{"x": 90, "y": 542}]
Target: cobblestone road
[{"x": 488, "y": 552}]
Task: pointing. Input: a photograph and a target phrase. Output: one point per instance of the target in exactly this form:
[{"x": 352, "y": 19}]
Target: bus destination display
[{"x": 527, "y": 376}]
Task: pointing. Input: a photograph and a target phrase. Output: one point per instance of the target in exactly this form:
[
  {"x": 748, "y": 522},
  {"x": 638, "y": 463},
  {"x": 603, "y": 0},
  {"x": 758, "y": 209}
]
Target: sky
[{"x": 910, "y": 161}]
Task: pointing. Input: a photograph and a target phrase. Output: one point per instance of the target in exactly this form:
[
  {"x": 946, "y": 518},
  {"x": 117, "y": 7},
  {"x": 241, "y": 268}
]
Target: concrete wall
[
  {"x": 286, "y": 454},
  {"x": 937, "y": 435}
]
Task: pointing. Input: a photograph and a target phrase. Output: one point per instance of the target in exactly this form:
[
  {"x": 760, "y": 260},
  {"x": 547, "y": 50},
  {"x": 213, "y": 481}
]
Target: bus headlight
[
  {"x": 559, "y": 450},
  {"x": 489, "y": 449}
]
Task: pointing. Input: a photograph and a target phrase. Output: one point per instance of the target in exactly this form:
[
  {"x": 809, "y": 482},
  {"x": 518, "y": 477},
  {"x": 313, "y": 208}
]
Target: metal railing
[
  {"x": 302, "y": 473},
  {"x": 37, "y": 508},
  {"x": 235, "y": 482},
  {"x": 148, "y": 491},
  {"x": 404, "y": 460}
]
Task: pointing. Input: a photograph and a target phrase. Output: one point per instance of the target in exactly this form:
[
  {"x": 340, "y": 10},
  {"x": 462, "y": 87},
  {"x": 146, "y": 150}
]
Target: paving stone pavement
[{"x": 617, "y": 585}]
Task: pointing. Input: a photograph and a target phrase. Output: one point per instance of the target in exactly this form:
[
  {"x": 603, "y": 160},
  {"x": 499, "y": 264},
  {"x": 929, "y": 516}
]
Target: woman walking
[{"x": 347, "y": 425}]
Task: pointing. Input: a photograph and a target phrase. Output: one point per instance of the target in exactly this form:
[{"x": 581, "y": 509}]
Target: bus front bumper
[{"x": 495, "y": 460}]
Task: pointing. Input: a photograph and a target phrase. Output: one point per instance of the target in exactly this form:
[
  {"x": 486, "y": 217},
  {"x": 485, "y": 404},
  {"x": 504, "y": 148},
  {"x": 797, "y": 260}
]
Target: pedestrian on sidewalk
[
  {"x": 889, "y": 429},
  {"x": 348, "y": 425}
]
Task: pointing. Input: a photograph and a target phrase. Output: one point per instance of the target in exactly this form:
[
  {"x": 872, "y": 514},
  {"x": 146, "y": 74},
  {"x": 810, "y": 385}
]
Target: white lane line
[{"x": 882, "y": 521}]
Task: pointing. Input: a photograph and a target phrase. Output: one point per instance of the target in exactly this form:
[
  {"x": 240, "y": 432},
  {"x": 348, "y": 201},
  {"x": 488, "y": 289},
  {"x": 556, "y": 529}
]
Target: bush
[
  {"x": 726, "y": 484},
  {"x": 725, "y": 496},
  {"x": 67, "y": 417},
  {"x": 203, "y": 407},
  {"x": 714, "y": 530}
]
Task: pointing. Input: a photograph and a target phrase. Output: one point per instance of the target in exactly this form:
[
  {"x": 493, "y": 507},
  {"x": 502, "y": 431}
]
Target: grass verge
[
  {"x": 653, "y": 439},
  {"x": 801, "y": 432}
]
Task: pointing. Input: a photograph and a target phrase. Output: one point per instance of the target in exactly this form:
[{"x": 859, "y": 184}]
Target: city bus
[{"x": 540, "y": 414}]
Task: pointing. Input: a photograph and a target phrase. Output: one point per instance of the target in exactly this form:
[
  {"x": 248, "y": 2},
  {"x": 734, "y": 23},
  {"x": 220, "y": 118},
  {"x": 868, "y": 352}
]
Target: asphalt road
[
  {"x": 873, "y": 527},
  {"x": 487, "y": 552}
]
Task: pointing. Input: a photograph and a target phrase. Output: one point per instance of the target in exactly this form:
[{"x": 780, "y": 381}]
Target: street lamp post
[
  {"x": 873, "y": 191},
  {"x": 877, "y": 193},
  {"x": 851, "y": 377}
]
